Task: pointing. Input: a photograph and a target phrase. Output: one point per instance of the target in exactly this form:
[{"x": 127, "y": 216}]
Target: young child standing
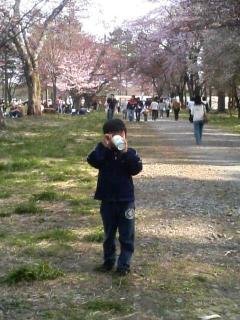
[{"x": 116, "y": 164}]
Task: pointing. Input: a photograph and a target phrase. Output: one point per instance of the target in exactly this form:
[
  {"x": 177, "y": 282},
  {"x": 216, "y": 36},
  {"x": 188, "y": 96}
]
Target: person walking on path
[
  {"x": 138, "y": 109},
  {"x": 198, "y": 111},
  {"x": 145, "y": 112},
  {"x": 124, "y": 109},
  {"x": 162, "y": 107},
  {"x": 206, "y": 104},
  {"x": 176, "y": 108},
  {"x": 190, "y": 105},
  {"x": 115, "y": 189},
  {"x": 111, "y": 102},
  {"x": 167, "y": 107},
  {"x": 131, "y": 107},
  {"x": 154, "y": 107}
]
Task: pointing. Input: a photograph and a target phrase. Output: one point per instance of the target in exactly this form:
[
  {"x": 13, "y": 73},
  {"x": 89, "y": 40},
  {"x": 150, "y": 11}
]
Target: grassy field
[
  {"x": 225, "y": 122},
  {"x": 48, "y": 216},
  {"x": 220, "y": 120},
  {"x": 51, "y": 234}
]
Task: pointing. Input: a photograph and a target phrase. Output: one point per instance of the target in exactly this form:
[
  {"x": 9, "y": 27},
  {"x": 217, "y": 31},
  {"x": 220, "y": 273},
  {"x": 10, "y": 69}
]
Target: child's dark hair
[{"x": 114, "y": 125}]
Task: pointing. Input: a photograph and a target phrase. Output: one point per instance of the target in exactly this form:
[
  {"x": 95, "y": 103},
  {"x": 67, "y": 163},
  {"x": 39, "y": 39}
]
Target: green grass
[
  {"x": 59, "y": 250},
  {"x": 220, "y": 120},
  {"x": 39, "y": 156},
  {"x": 20, "y": 165},
  {"x": 46, "y": 196},
  {"x": 4, "y": 214},
  {"x": 95, "y": 235},
  {"x": 107, "y": 305},
  {"x": 5, "y": 194},
  {"x": 42, "y": 271},
  {"x": 98, "y": 309},
  {"x": 84, "y": 206},
  {"x": 20, "y": 240},
  {"x": 27, "y": 208},
  {"x": 62, "y": 235},
  {"x": 30, "y": 239},
  {"x": 3, "y": 234},
  {"x": 225, "y": 121}
]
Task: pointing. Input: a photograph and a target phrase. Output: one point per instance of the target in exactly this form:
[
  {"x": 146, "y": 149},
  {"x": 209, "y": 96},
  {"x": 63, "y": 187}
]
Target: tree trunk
[
  {"x": 230, "y": 105},
  {"x": 197, "y": 90},
  {"x": 238, "y": 105},
  {"x": 204, "y": 91},
  {"x": 5, "y": 81},
  {"x": 221, "y": 101},
  {"x": 190, "y": 85},
  {"x": 54, "y": 83},
  {"x": 210, "y": 97},
  {"x": 46, "y": 97},
  {"x": 28, "y": 55},
  {"x": 88, "y": 99},
  {"x": 2, "y": 121},
  {"x": 235, "y": 94},
  {"x": 185, "y": 97},
  {"x": 34, "y": 91},
  {"x": 181, "y": 95}
]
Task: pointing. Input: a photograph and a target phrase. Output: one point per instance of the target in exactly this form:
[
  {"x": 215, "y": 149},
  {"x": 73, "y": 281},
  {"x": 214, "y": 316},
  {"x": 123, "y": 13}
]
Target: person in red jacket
[{"x": 131, "y": 107}]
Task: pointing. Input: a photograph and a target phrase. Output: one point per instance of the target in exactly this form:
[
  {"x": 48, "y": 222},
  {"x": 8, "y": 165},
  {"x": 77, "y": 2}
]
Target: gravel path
[
  {"x": 182, "y": 178},
  {"x": 205, "y": 178},
  {"x": 188, "y": 197}
]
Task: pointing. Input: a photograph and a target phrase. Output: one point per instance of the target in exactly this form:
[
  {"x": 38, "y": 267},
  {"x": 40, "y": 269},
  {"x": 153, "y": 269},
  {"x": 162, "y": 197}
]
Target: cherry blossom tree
[
  {"x": 28, "y": 46},
  {"x": 190, "y": 46},
  {"x": 82, "y": 66}
]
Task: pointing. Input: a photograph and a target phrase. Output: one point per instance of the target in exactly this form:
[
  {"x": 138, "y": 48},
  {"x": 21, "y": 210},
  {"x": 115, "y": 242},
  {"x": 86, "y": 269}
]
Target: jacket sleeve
[
  {"x": 97, "y": 157},
  {"x": 133, "y": 162}
]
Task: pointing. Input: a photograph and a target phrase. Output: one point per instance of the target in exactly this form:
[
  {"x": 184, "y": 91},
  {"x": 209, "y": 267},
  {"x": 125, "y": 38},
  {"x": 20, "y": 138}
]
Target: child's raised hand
[
  {"x": 107, "y": 140},
  {"x": 126, "y": 146}
]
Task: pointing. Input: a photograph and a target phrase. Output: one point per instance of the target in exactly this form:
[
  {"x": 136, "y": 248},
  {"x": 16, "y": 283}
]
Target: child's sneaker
[
  {"x": 122, "y": 272},
  {"x": 105, "y": 267}
]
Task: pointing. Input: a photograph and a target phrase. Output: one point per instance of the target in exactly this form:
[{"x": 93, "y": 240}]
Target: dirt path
[{"x": 189, "y": 209}]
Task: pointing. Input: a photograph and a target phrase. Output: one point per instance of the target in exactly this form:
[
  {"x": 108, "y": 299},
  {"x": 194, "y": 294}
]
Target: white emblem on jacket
[{"x": 130, "y": 213}]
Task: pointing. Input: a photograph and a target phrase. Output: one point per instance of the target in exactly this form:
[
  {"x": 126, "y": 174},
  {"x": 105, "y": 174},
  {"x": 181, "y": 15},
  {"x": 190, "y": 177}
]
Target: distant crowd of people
[
  {"x": 15, "y": 109},
  {"x": 18, "y": 108},
  {"x": 135, "y": 108},
  {"x": 67, "y": 106}
]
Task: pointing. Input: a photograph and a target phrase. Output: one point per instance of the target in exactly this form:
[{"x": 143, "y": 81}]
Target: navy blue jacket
[{"x": 115, "y": 173}]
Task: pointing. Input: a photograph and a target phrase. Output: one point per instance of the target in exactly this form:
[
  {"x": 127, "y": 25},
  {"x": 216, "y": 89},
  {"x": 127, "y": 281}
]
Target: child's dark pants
[{"x": 118, "y": 216}]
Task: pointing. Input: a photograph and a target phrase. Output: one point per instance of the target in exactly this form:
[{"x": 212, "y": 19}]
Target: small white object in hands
[{"x": 119, "y": 142}]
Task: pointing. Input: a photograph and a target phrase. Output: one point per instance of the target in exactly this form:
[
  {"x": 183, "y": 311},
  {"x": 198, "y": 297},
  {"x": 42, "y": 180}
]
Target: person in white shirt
[
  {"x": 198, "y": 112},
  {"x": 154, "y": 107},
  {"x": 162, "y": 107},
  {"x": 167, "y": 107},
  {"x": 190, "y": 104}
]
